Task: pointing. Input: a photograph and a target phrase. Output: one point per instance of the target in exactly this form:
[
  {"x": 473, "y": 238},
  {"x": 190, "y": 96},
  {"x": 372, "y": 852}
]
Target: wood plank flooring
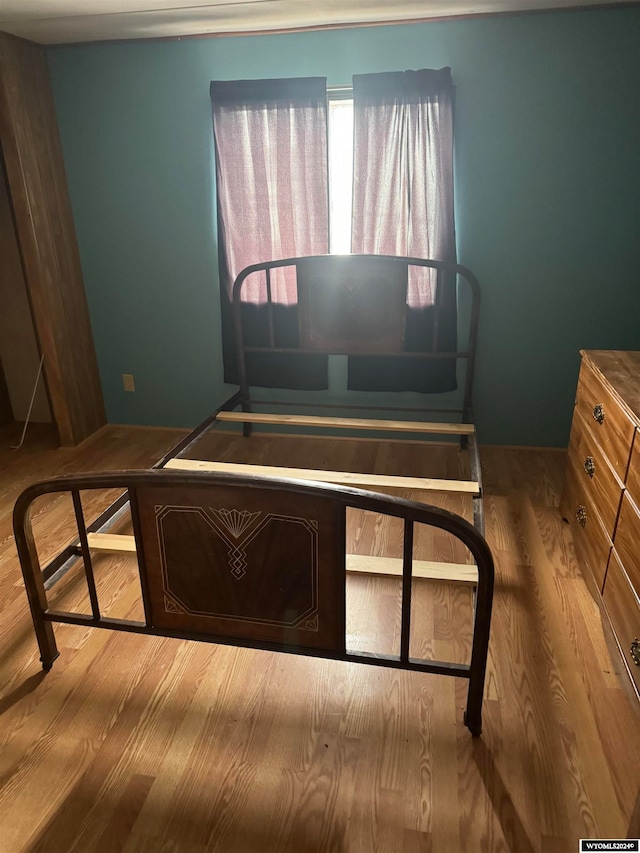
[{"x": 147, "y": 745}]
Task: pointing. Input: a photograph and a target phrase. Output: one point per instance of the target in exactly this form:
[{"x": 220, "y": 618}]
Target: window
[
  {"x": 305, "y": 171},
  {"x": 272, "y": 193},
  {"x": 340, "y": 169}
]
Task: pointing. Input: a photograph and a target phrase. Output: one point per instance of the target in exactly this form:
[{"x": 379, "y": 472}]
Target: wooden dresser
[{"x": 601, "y": 497}]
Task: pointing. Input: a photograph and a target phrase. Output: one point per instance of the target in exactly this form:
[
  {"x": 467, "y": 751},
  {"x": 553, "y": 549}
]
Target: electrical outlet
[{"x": 127, "y": 382}]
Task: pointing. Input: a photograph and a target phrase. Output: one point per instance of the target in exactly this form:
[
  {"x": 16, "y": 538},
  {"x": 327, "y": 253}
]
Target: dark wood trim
[
  {"x": 6, "y": 409},
  {"x": 45, "y": 230}
]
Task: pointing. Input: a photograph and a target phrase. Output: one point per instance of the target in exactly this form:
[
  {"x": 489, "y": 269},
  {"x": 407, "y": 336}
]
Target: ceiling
[{"x": 59, "y": 21}]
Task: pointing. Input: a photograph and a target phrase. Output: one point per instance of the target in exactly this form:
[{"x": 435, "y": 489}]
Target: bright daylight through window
[{"x": 340, "y": 174}]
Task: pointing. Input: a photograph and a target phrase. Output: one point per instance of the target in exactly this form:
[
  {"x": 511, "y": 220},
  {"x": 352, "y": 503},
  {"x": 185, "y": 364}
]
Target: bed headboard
[
  {"x": 352, "y": 304},
  {"x": 355, "y": 305}
]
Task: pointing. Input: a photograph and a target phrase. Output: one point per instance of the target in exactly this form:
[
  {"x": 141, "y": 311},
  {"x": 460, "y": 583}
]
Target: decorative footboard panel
[
  {"x": 249, "y": 564},
  {"x": 249, "y": 561}
]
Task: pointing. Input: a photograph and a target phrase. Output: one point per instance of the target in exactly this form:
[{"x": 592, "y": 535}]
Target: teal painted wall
[{"x": 547, "y": 188}]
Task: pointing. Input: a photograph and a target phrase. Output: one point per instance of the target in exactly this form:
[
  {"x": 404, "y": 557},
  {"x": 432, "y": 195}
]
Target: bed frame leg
[
  {"x": 48, "y": 658},
  {"x": 34, "y": 582},
  {"x": 473, "y": 712},
  {"x": 474, "y": 724},
  {"x": 45, "y": 636}
]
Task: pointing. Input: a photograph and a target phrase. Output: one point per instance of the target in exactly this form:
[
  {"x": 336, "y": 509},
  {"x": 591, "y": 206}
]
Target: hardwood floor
[{"x": 147, "y": 745}]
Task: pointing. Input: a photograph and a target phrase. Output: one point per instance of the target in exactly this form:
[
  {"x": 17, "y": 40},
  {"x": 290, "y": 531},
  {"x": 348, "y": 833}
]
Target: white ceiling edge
[{"x": 58, "y": 22}]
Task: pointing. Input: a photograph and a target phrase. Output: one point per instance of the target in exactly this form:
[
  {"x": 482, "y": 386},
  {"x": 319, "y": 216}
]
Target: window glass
[{"x": 340, "y": 174}]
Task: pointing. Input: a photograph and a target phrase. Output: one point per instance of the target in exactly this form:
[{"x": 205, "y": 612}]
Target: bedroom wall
[{"x": 547, "y": 188}]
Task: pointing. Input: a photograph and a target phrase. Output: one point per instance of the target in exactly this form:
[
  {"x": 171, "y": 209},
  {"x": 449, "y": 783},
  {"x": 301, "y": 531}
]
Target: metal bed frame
[
  {"x": 184, "y": 472},
  {"x": 285, "y": 527},
  {"x": 464, "y": 430},
  {"x": 314, "y": 340}
]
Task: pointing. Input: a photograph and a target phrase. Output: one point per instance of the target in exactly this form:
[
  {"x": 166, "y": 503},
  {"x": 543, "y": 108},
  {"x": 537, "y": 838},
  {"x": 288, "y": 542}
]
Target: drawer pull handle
[
  {"x": 635, "y": 651},
  {"x": 590, "y": 466},
  {"x": 581, "y": 515},
  {"x": 598, "y": 413}
]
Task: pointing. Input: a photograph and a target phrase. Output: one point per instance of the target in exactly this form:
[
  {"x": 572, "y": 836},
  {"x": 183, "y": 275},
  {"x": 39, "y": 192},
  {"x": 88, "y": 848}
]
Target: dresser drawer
[
  {"x": 592, "y": 469},
  {"x": 623, "y": 609},
  {"x": 633, "y": 474},
  {"x": 609, "y": 422},
  {"x": 627, "y": 540},
  {"x": 589, "y": 536}
]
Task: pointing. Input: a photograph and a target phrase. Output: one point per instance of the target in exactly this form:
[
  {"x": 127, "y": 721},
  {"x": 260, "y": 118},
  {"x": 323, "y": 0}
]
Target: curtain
[
  {"x": 272, "y": 194},
  {"x": 403, "y": 205}
]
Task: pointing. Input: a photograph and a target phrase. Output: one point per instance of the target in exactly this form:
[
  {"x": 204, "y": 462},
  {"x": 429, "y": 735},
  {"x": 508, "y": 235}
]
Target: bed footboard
[{"x": 250, "y": 561}]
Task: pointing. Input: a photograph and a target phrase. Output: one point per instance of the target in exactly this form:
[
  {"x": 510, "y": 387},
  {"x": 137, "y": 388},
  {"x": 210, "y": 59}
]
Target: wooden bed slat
[
  {"x": 347, "y": 478},
  {"x": 356, "y": 563},
  {"x": 111, "y": 542},
  {"x": 347, "y": 423},
  {"x": 427, "y": 569}
]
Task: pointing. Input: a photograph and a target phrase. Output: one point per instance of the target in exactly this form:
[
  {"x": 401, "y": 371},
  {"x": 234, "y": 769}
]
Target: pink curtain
[
  {"x": 403, "y": 170},
  {"x": 271, "y": 172},
  {"x": 403, "y": 205},
  {"x": 272, "y": 190}
]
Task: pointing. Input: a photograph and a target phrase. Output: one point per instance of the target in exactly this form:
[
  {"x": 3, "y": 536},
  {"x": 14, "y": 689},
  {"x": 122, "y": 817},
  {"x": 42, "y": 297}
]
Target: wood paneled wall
[
  {"x": 6, "y": 411},
  {"x": 18, "y": 346},
  {"x": 46, "y": 232}
]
